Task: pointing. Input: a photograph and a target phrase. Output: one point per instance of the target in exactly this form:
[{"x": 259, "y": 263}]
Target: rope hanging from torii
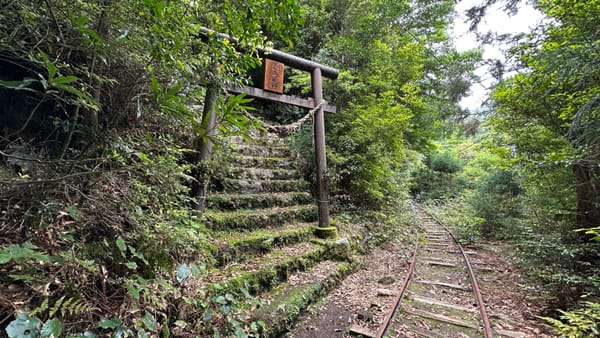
[{"x": 287, "y": 129}]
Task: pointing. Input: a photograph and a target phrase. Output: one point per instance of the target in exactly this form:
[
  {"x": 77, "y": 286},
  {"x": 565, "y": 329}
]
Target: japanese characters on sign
[{"x": 273, "y": 76}]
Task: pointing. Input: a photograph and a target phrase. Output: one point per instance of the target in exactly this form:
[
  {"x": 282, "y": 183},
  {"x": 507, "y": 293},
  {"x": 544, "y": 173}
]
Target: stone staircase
[{"x": 262, "y": 220}]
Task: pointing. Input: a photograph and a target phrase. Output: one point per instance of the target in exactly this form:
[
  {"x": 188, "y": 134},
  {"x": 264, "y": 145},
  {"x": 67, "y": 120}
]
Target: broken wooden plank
[
  {"x": 365, "y": 315},
  {"x": 436, "y": 247},
  {"x": 483, "y": 268},
  {"x": 418, "y": 332},
  {"x": 386, "y": 292},
  {"x": 440, "y": 235},
  {"x": 438, "y": 243},
  {"x": 443, "y": 319},
  {"x": 433, "y": 248},
  {"x": 436, "y": 302},
  {"x": 440, "y": 263},
  {"x": 438, "y": 240},
  {"x": 506, "y": 319},
  {"x": 450, "y": 251},
  {"x": 511, "y": 334},
  {"x": 448, "y": 285},
  {"x": 361, "y": 331}
]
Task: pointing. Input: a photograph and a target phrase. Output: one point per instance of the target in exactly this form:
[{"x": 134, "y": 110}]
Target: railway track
[{"x": 439, "y": 296}]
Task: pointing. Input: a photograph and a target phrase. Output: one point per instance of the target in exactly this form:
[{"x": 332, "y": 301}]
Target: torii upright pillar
[{"x": 320, "y": 156}]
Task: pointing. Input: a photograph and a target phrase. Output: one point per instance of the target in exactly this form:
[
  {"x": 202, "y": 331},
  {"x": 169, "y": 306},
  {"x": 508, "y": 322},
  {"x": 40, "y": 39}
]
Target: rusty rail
[
  {"x": 388, "y": 319},
  {"x": 480, "y": 303}
]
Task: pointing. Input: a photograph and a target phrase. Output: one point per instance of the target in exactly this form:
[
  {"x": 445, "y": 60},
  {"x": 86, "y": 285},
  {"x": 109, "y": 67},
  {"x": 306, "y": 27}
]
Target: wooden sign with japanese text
[{"x": 273, "y": 76}]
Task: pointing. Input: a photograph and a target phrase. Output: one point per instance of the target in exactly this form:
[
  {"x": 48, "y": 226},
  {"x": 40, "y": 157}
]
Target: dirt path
[{"x": 356, "y": 301}]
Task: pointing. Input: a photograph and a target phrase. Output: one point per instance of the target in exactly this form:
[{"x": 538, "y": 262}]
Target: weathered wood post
[
  {"x": 320, "y": 156},
  {"x": 204, "y": 148}
]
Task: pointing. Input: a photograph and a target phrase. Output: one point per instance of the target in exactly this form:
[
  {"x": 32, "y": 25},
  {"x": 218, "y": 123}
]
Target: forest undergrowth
[{"x": 102, "y": 124}]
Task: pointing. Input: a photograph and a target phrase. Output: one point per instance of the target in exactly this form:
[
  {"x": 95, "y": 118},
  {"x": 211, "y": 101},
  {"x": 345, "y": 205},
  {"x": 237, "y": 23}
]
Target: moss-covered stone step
[
  {"x": 261, "y": 200},
  {"x": 285, "y": 303},
  {"x": 263, "y": 151},
  {"x": 260, "y": 138},
  {"x": 263, "y": 173},
  {"x": 235, "y": 246},
  {"x": 260, "y": 274},
  {"x": 249, "y": 186},
  {"x": 264, "y": 162},
  {"x": 259, "y": 218}
]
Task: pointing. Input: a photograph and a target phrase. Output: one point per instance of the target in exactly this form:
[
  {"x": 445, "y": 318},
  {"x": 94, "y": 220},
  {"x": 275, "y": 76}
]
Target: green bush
[
  {"x": 496, "y": 201},
  {"x": 445, "y": 162},
  {"x": 457, "y": 214},
  {"x": 580, "y": 322},
  {"x": 435, "y": 179}
]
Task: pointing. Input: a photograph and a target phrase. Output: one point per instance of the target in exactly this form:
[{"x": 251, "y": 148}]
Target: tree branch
[
  {"x": 55, "y": 20},
  {"x": 28, "y": 118}
]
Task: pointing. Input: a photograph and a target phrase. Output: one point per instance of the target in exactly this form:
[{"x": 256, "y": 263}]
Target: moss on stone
[
  {"x": 271, "y": 275},
  {"x": 264, "y": 162},
  {"x": 258, "y": 242},
  {"x": 340, "y": 250},
  {"x": 326, "y": 232},
  {"x": 260, "y": 200},
  {"x": 252, "y": 186},
  {"x": 290, "y": 301},
  {"x": 254, "y": 219}
]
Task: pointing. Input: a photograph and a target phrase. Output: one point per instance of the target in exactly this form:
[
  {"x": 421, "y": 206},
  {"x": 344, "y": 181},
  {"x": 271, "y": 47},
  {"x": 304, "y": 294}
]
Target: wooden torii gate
[{"x": 317, "y": 103}]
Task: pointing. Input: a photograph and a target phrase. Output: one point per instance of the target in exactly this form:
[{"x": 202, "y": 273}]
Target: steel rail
[
  {"x": 480, "y": 303},
  {"x": 388, "y": 319},
  {"x": 484, "y": 317}
]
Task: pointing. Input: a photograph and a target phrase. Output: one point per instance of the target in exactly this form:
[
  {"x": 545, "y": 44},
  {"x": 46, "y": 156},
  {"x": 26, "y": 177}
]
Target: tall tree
[
  {"x": 558, "y": 97},
  {"x": 395, "y": 86}
]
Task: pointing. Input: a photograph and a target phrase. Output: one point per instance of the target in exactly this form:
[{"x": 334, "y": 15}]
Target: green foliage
[
  {"x": 24, "y": 326},
  {"x": 158, "y": 43},
  {"x": 445, "y": 162},
  {"x": 63, "y": 307},
  {"x": 580, "y": 322},
  {"x": 104, "y": 108},
  {"x": 28, "y": 326},
  {"x": 564, "y": 264},
  {"x": 119, "y": 331},
  {"x": 496, "y": 201},
  {"x": 439, "y": 176},
  {"x": 551, "y": 111},
  {"x": 384, "y": 51},
  {"x": 104, "y": 103},
  {"x": 223, "y": 309},
  {"x": 594, "y": 232},
  {"x": 51, "y": 328},
  {"x": 549, "y": 114},
  {"x": 458, "y": 215},
  {"x": 21, "y": 253}
]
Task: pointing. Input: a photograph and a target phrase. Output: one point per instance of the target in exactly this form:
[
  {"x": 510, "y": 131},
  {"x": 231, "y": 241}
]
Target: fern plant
[
  {"x": 64, "y": 306},
  {"x": 582, "y": 322},
  {"x": 21, "y": 253}
]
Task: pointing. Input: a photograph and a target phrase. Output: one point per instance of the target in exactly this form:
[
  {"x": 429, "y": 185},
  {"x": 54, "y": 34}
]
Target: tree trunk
[
  {"x": 587, "y": 177},
  {"x": 204, "y": 148}
]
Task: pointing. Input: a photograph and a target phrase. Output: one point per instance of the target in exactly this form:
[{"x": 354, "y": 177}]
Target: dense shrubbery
[
  {"x": 101, "y": 107},
  {"x": 392, "y": 94},
  {"x": 537, "y": 177},
  {"x": 551, "y": 114},
  {"x": 436, "y": 177},
  {"x": 496, "y": 200},
  {"x": 102, "y": 114}
]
